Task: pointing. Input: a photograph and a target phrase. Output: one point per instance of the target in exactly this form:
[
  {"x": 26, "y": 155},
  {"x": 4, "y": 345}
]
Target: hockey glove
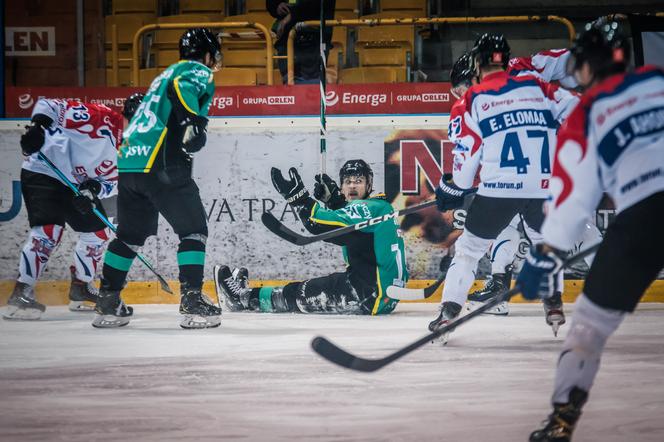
[
  {"x": 85, "y": 202},
  {"x": 292, "y": 190},
  {"x": 33, "y": 138},
  {"x": 448, "y": 195},
  {"x": 539, "y": 274},
  {"x": 327, "y": 191},
  {"x": 195, "y": 133}
]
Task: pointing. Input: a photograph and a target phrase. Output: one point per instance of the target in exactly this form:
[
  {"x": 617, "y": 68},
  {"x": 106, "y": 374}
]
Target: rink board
[
  {"x": 55, "y": 292},
  {"x": 408, "y": 153}
]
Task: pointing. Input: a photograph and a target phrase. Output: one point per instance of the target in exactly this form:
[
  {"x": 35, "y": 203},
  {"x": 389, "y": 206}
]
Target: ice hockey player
[
  {"x": 612, "y": 142},
  {"x": 549, "y": 66},
  {"x": 155, "y": 166},
  {"x": 506, "y": 125},
  {"x": 375, "y": 256},
  {"x": 81, "y": 140}
]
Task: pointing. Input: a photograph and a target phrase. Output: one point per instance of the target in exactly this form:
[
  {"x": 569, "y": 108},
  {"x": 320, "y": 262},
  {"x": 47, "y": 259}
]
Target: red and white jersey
[
  {"x": 612, "y": 142},
  {"x": 507, "y": 125},
  {"x": 82, "y": 142},
  {"x": 548, "y": 65}
]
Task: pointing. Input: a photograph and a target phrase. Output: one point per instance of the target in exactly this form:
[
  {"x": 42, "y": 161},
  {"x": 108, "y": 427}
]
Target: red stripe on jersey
[{"x": 573, "y": 129}]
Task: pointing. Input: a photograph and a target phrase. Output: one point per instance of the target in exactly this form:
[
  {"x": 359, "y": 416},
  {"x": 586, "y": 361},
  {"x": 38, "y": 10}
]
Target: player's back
[
  {"x": 148, "y": 128},
  {"x": 513, "y": 121},
  {"x": 624, "y": 117}
]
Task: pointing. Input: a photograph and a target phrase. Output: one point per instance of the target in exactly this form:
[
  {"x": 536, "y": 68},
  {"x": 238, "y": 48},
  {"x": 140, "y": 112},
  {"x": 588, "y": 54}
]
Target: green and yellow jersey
[
  {"x": 376, "y": 253},
  {"x": 190, "y": 84}
]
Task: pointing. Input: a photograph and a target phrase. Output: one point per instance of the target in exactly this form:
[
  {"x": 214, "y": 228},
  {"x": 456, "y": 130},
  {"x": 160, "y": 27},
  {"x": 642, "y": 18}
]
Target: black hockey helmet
[
  {"x": 491, "y": 50},
  {"x": 197, "y": 42},
  {"x": 602, "y": 44},
  {"x": 462, "y": 72},
  {"x": 131, "y": 104},
  {"x": 357, "y": 168}
]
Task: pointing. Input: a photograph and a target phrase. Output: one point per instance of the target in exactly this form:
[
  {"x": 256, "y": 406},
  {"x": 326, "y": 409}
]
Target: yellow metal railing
[
  {"x": 290, "y": 47},
  {"x": 136, "y": 45}
]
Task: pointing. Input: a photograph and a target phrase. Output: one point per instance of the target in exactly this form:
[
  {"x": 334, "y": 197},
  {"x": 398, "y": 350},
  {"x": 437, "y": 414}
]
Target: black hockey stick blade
[
  {"x": 283, "y": 232},
  {"x": 276, "y": 227},
  {"x": 406, "y": 294},
  {"x": 341, "y": 357}
]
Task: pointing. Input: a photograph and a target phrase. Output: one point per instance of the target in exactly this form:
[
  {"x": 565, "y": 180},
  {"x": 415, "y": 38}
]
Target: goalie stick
[
  {"x": 339, "y": 356},
  {"x": 276, "y": 227},
  {"x": 164, "y": 285}
]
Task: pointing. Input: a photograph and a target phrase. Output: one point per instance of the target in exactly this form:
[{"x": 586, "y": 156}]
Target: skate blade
[
  {"x": 14, "y": 313},
  {"x": 442, "y": 339},
  {"x": 191, "y": 322},
  {"x": 555, "y": 321},
  {"x": 109, "y": 321},
  {"x": 501, "y": 309},
  {"x": 81, "y": 306}
]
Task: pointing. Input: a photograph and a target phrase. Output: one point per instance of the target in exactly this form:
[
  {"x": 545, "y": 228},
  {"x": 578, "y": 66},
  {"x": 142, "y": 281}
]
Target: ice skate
[
  {"x": 449, "y": 311},
  {"x": 198, "y": 310},
  {"x": 82, "y": 295},
  {"x": 111, "y": 311},
  {"x": 553, "y": 311},
  {"x": 498, "y": 284},
  {"x": 233, "y": 287},
  {"x": 560, "y": 424},
  {"x": 22, "y": 305}
]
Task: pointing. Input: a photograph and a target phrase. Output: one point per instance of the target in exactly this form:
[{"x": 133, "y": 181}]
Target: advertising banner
[
  {"x": 233, "y": 174},
  {"x": 362, "y": 99}
]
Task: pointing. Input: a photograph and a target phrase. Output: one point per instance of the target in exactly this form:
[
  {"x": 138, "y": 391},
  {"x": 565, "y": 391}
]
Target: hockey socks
[
  {"x": 42, "y": 240},
  {"x": 276, "y": 299},
  {"x": 87, "y": 254},
  {"x": 117, "y": 262},
  {"x": 191, "y": 260}
]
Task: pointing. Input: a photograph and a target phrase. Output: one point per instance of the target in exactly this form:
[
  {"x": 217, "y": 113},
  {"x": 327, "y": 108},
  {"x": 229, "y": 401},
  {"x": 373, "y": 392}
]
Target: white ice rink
[{"x": 256, "y": 379}]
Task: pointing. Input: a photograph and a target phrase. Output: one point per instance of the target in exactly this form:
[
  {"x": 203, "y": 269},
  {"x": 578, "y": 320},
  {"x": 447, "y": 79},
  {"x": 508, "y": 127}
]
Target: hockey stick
[
  {"x": 54, "y": 168},
  {"x": 276, "y": 227},
  {"x": 323, "y": 98},
  {"x": 406, "y": 294},
  {"x": 337, "y": 355}
]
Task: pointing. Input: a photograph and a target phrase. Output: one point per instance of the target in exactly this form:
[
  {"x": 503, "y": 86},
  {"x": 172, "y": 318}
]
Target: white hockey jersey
[
  {"x": 507, "y": 125},
  {"x": 82, "y": 142},
  {"x": 548, "y": 65},
  {"x": 612, "y": 142}
]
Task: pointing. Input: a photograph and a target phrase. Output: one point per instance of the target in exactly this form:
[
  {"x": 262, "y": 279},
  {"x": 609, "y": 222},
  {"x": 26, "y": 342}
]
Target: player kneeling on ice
[
  {"x": 612, "y": 142},
  {"x": 374, "y": 256},
  {"x": 81, "y": 139},
  {"x": 155, "y": 164}
]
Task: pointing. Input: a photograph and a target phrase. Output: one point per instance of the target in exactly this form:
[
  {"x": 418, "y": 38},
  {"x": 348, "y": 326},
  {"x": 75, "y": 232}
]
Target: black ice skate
[
  {"x": 22, "y": 305},
  {"x": 560, "y": 424},
  {"x": 553, "y": 311},
  {"x": 198, "y": 310},
  {"x": 497, "y": 285},
  {"x": 82, "y": 295},
  {"x": 111, "y": 311},
  {"x": 449, "y": 311},
  {"x": 233, "y": 287}
]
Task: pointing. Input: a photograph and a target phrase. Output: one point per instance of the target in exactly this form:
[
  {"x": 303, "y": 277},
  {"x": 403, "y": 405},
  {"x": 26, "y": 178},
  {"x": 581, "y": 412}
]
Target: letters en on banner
[
  {"x": 365, "y": 99},
  {"x": 29, "y": 41}
]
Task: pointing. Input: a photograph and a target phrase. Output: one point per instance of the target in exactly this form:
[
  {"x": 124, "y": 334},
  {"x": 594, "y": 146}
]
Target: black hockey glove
[
  {"x": 195, "y": 133},
  {"x": 327, "y": 191},
  {"x": 448, "y": 195},
  {"x": 292, "y": 190},
  {"x": 33, "y": 138},
  {"x": 85, "y": 202}
]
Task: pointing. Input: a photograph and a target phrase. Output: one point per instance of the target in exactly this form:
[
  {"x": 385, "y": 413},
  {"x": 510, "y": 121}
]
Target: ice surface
[{"x": 256, "y": 379}]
